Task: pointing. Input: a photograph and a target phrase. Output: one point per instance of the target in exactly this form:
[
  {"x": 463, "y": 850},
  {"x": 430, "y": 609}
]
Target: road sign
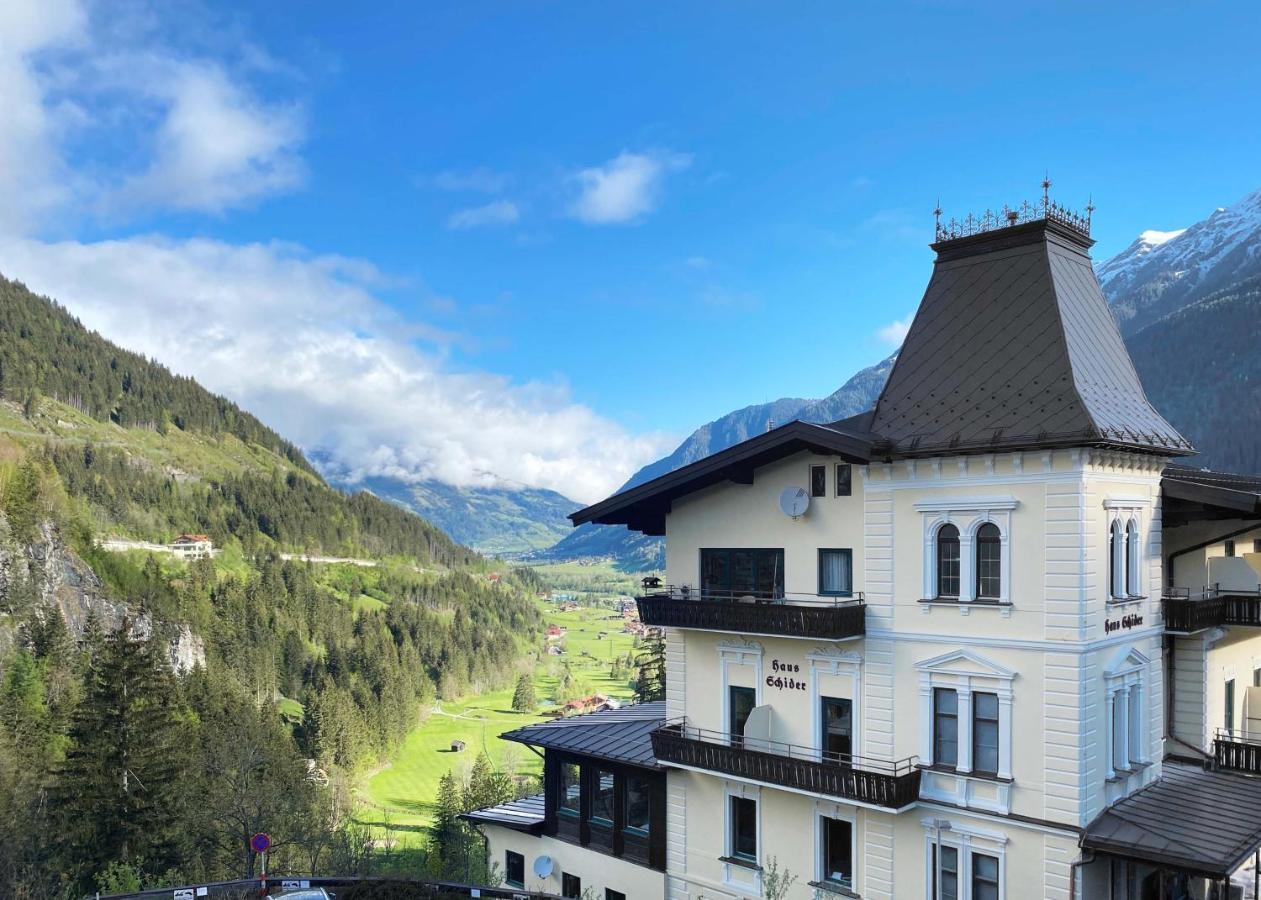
[{"x": 260, "y": 842}]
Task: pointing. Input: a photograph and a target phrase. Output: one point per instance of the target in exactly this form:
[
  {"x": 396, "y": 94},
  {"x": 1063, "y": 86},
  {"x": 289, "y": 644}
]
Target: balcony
[
  {"x": 1186, "y": 612},
  {"x": 783, "y": 615},
  {"x": 1238, "y": 750},
  {"x": 889, "y": 785}
]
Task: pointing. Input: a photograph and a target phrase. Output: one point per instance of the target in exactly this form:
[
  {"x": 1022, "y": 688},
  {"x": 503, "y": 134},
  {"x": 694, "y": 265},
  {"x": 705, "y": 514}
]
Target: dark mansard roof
[{"x": 1014, "y": 347}]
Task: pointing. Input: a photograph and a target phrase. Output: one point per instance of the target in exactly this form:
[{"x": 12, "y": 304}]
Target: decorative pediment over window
[
  {"x": 1126, "y": 660},
  {"x": 965, "y": 662}
]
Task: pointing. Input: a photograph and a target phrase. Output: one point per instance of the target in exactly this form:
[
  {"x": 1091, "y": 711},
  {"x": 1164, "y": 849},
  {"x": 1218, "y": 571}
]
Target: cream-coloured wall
[
  {"x": 1192, "y": 570},
  {"x": 1236, "y": 655},
  {"x": 1047, "y": 651},
  {"x": 1053, "y": 509},
  {"x": 597, "y": 870},
  {"x": 789, "y": 834},
  {"x": 891, "y": 853},
  {"x": 735, "y": 515}
]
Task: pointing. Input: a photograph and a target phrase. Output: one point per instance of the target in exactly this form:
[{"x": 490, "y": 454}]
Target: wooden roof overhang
[{"x": 644, "y": 507}]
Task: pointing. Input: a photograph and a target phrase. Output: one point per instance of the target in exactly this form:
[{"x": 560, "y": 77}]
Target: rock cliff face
[{"x": 46, "y": 573}]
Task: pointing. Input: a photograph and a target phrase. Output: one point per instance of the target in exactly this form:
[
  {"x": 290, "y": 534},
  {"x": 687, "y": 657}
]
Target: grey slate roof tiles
[
  {"x": 619, "y": 735},
  {"x": 1013, "y": 345},
  {"x": 1207, "y": 822}
]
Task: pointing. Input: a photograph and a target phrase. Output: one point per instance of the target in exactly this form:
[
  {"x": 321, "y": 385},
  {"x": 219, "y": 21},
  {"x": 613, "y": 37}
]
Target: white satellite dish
[
  {"x": 794, "y": 501},
  {"x": 543, "y": 866}
]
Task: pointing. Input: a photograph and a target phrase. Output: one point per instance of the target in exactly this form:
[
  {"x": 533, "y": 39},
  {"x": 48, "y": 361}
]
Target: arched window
[
  {"x": 1116, "y": 560},
  {"x": 989, "y": 562},
  {"x": 1131, "y": 558},
  {"x": 947, "y": 561}
]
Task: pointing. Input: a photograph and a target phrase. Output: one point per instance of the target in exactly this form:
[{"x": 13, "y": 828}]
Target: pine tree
[
  {"x": 523, "y": 697},
  {"x": 120, "y": 792},
  {"x": 447, "y": 829},
  {"x": 651, "y": 681}
]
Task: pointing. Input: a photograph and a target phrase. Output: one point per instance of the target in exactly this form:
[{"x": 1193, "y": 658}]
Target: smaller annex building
[{"x": 599, "y": 827}]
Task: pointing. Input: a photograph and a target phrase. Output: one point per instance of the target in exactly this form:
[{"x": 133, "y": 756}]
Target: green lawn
[{"x": 399, "y": 797}]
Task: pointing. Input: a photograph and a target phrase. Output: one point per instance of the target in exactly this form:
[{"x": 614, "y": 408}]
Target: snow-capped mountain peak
[{"x": 1150, "y": 277}]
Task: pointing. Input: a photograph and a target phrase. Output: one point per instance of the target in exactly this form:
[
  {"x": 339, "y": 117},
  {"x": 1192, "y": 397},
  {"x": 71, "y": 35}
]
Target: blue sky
[{"x": 605, "y": 224}]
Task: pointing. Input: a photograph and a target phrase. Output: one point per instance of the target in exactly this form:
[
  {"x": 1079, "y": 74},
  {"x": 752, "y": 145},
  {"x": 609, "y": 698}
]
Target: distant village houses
[{"x": 192, "y": 546}]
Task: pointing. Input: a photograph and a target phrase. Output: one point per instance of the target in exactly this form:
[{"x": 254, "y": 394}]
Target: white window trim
[
  {"x": 968, "y": 515},
  {"x": 1125, "y": 689},
  {"x": 845, "y": 664},
  {"x": 945, "y": 672},
  {"x": 841, "y": 812},
  {"x": 739, "y": 653},
  {"x": 735, "y": 875},
  {"x": 966, "y": 840},
  {"x": 1126, "y": 567}
]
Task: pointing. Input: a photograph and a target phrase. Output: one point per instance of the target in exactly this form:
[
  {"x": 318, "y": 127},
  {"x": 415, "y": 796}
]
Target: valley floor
[{"x": 397, "y": 802}]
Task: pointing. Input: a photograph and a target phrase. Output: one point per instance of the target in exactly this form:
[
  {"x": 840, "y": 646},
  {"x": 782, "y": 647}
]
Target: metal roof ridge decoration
[{"x": 1011, "y": 216}]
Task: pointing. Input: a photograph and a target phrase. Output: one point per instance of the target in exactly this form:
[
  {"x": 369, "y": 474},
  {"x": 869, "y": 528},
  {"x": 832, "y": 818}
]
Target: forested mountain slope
[{"x": 243, "y": 692}]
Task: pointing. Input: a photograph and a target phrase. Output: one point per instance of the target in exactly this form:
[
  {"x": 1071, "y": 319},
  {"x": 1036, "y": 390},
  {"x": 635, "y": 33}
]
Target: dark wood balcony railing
[
  {"x": 790, "y": 615},
  {"x": 893, "y": 785},
  {"x": 1239, "y": 750},
  {"x": 1186, "y": 611}
]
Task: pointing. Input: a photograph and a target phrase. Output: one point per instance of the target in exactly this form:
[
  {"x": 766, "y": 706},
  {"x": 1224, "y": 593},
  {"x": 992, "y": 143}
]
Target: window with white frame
[
  {"x": 967, "y": 548},
  {"x": 1125, "y": 708},
  {"x": 1125, "y": 547},
  {"x": 963, "y": 862},
  {"x": 836, "y": 852},
  {"x": 966, "y": 714}
]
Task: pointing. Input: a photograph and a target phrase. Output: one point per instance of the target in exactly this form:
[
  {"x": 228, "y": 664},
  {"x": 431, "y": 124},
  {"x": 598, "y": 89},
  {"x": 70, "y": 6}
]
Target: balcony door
[
  {"x": 837, "y": 720},
  {"x": 740, "y": 573},
  {"x": 740, "y": 702}
]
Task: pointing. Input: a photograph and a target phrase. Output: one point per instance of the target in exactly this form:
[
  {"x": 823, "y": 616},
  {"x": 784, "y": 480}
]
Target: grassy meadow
[{"x": 397, "y": 800}]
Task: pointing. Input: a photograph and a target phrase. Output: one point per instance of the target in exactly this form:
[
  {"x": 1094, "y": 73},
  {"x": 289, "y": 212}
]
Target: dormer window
[{"x": 948, "y": 561}]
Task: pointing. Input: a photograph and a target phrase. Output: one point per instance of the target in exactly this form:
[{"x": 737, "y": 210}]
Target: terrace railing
[
  {"x": 1238, "y": 749},
  {"x": 1188, "y": 611},
  {"x": 790, "y": 615},
  {"x": 891, "y": 785}
]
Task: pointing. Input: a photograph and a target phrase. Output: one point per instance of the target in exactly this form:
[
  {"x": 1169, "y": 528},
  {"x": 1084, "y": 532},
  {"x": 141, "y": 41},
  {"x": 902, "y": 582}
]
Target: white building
[
  {"x": 192, "y": 546},
  {"x": 1001, "y": 650}
]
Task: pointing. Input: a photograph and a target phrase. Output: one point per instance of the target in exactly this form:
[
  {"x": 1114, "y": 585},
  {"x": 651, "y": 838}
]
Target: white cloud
[
  {"x": 895, "y": 332},
  {"x": 32, "y": 180},
  {"x": 101, "y": 114},
  {"x": 215, "y": 145},
  {"x": 500, "y": 212},
  {"x": 301, "y": 341},
  {"x": 625, "y": 188}
]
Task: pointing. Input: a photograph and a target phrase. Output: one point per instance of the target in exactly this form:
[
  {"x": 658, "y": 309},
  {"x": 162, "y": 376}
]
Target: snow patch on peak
[{"x": 1156, "y": 238}]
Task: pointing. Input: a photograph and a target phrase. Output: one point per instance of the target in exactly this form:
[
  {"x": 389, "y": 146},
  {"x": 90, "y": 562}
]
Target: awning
[{"x": 1206, "y": 823}]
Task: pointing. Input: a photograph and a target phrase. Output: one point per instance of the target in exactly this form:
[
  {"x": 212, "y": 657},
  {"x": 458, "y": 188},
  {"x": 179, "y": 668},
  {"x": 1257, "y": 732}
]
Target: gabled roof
[
  {"x": 1014, "y": 347},
  {"x": 619, "y": 735},
  {"x": 1205, "y": 822},
  {"x": 644, "y": 507}
]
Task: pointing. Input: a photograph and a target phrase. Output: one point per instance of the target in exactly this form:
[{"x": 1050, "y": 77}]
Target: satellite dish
[
  {"x": 543, "y": 866},
  {"x": 794, "y": 501}
]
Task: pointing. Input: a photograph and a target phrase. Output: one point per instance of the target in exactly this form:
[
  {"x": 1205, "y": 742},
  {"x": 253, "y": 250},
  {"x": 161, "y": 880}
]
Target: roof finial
[
  {"x": 937, "y": 219},
  {"x": 1046, "y": 192},
  {"x": 1090, "y": 211}
]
